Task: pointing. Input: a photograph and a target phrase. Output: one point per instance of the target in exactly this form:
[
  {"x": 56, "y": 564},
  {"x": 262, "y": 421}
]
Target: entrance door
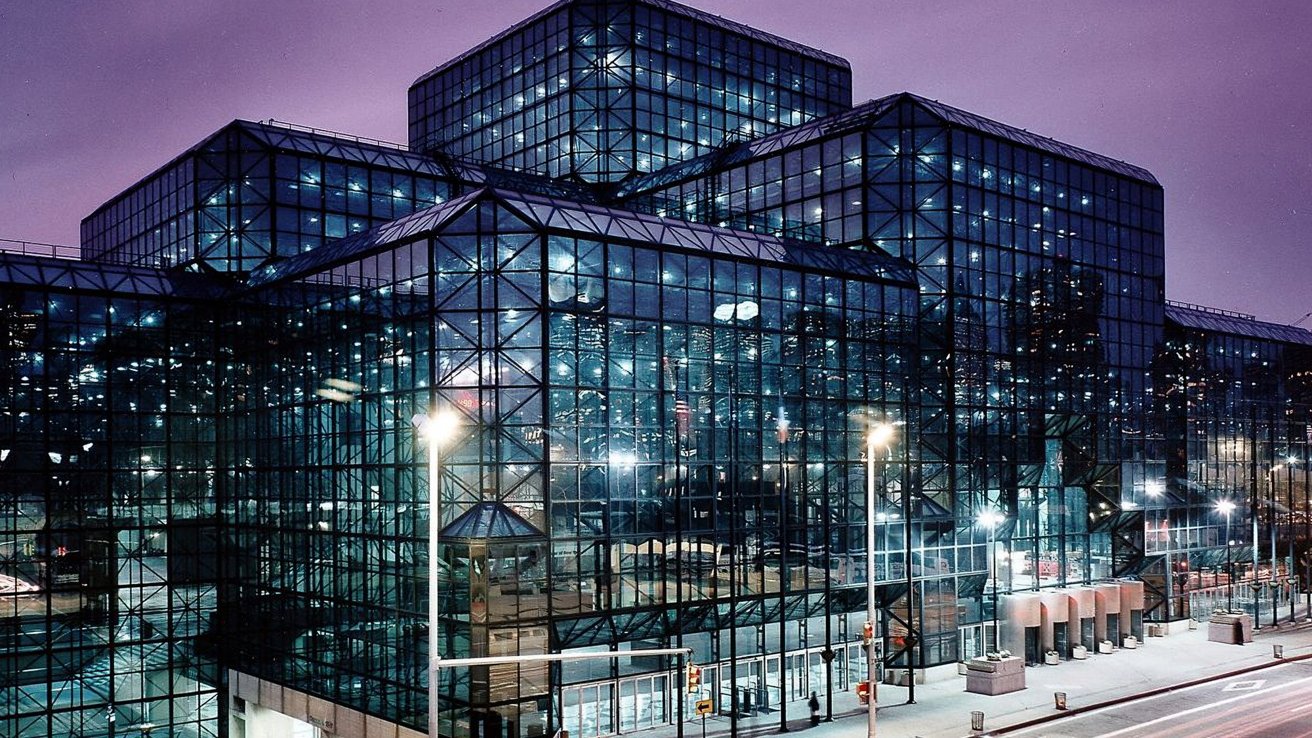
[
  {"x": 1061, "y": 642},
  {"x": 1033, "y": 657},
  {"x": 857, "y": 667},
  {"x": 971, "y": 641},
  {"x": 588, "y": 711},
  {"x": 773, "y": 681},
  {"x": 642, "y": 703},
  {"x": 815, "y": 672}
]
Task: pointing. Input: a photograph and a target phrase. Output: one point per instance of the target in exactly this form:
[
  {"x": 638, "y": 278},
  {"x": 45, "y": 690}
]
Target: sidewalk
[{"x": 942, "y": 709}]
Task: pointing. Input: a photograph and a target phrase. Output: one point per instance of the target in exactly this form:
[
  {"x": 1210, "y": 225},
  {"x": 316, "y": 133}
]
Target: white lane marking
[
  {"x": 1200, "y": 708},
  {"x": 1149, "y": 698},
  {"x": 1301, "y": 708},
  {"x": 1244, "y": 686}
]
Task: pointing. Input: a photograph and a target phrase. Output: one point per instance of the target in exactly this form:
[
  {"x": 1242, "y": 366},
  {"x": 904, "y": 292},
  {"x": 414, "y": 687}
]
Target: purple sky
[{"x": 1212, "y": 97}]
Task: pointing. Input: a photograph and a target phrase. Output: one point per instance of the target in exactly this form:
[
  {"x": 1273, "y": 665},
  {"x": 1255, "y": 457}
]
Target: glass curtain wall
[
  {"x": 596, "y": 90},
  {"x": 1236, "y": 399},
  {"x": 685, "y": 426},
  {"x": 256, "y": 191},
  {"x": 107, "y": 510},
  {"x": 1041, "y": 279}
]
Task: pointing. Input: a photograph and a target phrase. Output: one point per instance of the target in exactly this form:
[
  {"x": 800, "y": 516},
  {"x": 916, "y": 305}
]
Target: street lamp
[
  {"x": 880, "y": 435},
  {"x": 1225, "y": 507},
  {"x": 992, "y": 519},
  {"x": 436, "y": 428}
]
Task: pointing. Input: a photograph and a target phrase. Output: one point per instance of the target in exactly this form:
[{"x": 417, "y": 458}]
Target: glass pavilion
[{"x": 668, "y": 276}]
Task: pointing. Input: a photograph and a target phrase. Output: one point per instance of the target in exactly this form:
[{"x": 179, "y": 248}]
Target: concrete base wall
[{"x": 274, "y": 711}]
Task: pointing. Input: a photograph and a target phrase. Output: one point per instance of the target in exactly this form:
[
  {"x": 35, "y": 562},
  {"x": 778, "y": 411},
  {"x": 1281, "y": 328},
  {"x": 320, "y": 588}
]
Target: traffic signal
[
  {"x": 867, "y": 633},
  {"x": 863, "y": 692},
  {"x": 693, "y": 678}
]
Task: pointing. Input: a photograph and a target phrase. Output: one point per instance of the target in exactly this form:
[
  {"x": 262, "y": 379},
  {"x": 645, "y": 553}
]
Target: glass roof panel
[
  {"x": 1218, "y": 322},
  {"x": 857, "y": 118}
]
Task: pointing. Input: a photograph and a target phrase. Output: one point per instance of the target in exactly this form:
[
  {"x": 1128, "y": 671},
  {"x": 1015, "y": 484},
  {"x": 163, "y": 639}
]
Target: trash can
[
  {"x": 1277, "y": 650},
  {"x": 1059, "y": 700},
  {"x": 976, "y": 720}
]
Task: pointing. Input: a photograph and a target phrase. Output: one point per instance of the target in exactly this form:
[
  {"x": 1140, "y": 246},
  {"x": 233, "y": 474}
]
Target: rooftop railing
[
  {"x": 336, "y": 134},
  {"x": 33, "y": 248},
  {"x": 1212, "y": 310}
]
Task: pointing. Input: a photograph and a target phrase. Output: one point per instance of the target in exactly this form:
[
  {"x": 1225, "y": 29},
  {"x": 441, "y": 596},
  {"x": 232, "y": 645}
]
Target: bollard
[
  {"x": 1059, "y": 699},
  {"x": 976, "y": 720},
  {"x": 1277, "y": 650}
]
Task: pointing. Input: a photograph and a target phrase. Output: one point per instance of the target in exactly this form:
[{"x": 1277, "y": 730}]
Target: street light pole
[
  {"x": 1225, "y": 507},
  {"x": 879, "y": 436},
  {"x": 992, "y": 518},
  {"x": 436, "y": 428},
  {"x": 993, "y": 551}
]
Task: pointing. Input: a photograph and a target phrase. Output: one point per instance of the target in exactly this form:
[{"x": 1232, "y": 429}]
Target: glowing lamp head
[
  {"x": 880, "y": 435},
  {"x": 437, "y": 426},
  {"x": 1225, "y": 507},
  {"x": 991, "y": 518}
]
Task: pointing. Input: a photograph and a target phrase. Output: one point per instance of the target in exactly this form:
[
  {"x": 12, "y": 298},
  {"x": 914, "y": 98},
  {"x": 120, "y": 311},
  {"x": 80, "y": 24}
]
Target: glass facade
[
  {"x": 598, "y": 90},
  {"x": 1237, "y": 402},
  {"x": 667, "y": 277},
  {"x": 1041, "y": 282},
  {"x": 108, "y": 528},
  {"x": 675, "y": 474},
  {"x": 259, "y": 191}
]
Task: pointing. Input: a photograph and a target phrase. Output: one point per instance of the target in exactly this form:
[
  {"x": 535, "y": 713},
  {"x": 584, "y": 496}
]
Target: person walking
[{"x": 814, "y": 704}]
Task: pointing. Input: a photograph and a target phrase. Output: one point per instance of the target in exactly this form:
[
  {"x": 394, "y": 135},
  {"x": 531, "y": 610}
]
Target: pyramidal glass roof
[
  {"x": 1203, "y": 319},
  {"x": 567, "y": 215},
  {"x": 666, "y": 5},
  {"x": 1043, "y": 143},
  {"x": 735, "y": 153},
  {"x": 70, "y": 274},
  {"x": 490, "y": 520},
  {"x": 857, "y": 118},
  {"x": 392, "y": 233},
  {"x": 322, "y": 143},
  {"x": 285, "y": 137}
]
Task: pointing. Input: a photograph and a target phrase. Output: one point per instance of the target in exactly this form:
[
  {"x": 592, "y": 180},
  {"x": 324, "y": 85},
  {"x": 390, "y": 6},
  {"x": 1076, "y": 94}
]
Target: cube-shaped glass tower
[{"x": 597, "y": 90}]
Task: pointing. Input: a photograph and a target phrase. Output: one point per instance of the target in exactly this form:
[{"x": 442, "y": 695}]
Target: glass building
[
  {"x": 1041, "y": 274},
  {"x": 252, "y": 192},
  {"x": 1237, "y": 404},
  {"x": 108, "y": 515},
  {"x": 661, "y": 424},
  {"x": 598, "y": 90},
  {"x": 667, "y": 293}
]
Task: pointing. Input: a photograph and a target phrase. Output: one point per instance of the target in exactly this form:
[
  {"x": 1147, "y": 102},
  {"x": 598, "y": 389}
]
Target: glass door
[
  {"x": 815, "y": 673},
  {"x": 642, "y": 703},
  {"x": 972, "y": 643},
  {"x": 588, "y": 711},
  {"x": 773, "y": 681}
]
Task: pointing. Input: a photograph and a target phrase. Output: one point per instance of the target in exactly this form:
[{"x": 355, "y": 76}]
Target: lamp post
[
  {"x": 878, "y": 438},
  {"x": 436, "y": 428},
  {"x": 992, "y": 519},
  {"x": 1225, "y": 507}
]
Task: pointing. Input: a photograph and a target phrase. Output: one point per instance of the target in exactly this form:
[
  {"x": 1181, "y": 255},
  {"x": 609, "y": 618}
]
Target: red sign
[{"x": 863, "y": 692}]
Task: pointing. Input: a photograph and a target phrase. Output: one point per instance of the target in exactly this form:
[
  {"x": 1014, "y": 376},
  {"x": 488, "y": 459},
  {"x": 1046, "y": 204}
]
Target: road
[{"x": 1268, "y": 703}]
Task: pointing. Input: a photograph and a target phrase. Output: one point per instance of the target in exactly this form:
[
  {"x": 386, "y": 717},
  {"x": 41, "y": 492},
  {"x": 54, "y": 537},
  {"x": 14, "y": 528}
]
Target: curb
[{"x": 1137, "y": 696}]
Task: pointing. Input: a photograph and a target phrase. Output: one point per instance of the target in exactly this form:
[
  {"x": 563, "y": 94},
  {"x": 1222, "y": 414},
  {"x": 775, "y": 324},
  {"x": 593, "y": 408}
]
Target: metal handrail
[
  {"x": 336, "y": 134},
  {"x": 36, "y": 248},
  {"x": 1212, "y": 310}
]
